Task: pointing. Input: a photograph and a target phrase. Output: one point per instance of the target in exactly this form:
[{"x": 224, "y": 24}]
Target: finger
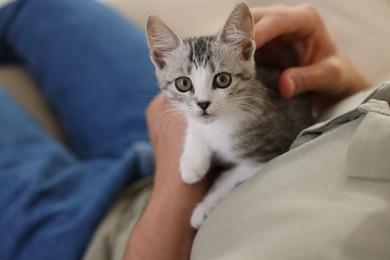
[
  {"x": 320, "y": 77},
  {"x": 259, "y": 12},
  {"x": 151, "y": 109},
  {"x": 300, "y": 21}
]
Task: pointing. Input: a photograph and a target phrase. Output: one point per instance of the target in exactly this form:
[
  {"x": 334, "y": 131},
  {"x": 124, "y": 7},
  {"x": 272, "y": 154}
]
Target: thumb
[{"x": 317, "y": 77}]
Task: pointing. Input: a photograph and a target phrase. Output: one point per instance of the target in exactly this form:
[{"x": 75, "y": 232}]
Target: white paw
[
  {"x": 192, "y": 171},
  {"x": 199, "y": 215}
]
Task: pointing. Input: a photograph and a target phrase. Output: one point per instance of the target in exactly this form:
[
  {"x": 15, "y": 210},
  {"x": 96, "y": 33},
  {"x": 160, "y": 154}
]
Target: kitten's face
[{"x": 205, "y": 76}]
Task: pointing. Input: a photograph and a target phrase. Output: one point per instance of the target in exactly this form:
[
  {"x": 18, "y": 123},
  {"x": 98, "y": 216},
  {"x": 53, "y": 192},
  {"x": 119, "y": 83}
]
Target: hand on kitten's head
[{"x": 323, "y": 68}]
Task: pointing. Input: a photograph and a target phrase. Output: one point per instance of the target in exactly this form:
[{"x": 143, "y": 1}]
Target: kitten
[{"x": 233, "y": 111}]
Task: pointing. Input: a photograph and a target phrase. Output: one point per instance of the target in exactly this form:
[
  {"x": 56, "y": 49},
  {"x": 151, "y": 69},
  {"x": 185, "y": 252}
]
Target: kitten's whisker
[
  {"x": 170, "y": 112},
  {"x": 145, "y": 95},
  {"x": 261, "y": 100},
  {"x": 251, "y": 101},
  {"x": 253, "y": 121},
  {"x": 271, "y": 91}
]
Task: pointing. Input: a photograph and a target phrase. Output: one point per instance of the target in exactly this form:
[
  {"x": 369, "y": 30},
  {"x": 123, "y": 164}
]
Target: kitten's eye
[
  {"x": 183, "y": 84},
  {"x": 222, "y": 80}
]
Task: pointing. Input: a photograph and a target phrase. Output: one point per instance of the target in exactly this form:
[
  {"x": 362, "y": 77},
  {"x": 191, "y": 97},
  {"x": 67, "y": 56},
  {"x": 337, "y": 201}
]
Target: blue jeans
[{"x": 94, "y": 69}]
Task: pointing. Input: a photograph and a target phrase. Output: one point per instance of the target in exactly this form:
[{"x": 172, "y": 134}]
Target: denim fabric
[{"x": 94, "y": 70}]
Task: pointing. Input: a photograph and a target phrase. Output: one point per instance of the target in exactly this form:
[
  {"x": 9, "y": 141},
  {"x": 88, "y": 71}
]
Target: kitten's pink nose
[{"x": 204, "y": 104}]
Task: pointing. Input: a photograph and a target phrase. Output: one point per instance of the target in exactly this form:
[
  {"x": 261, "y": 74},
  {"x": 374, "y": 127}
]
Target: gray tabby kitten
[{"x": 232, "y": 115}]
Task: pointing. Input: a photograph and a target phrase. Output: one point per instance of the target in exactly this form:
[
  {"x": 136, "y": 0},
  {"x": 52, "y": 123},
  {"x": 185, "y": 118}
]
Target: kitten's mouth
[
  {"x": 206, "y": 114},
  {"x": 206, "y": 117}
]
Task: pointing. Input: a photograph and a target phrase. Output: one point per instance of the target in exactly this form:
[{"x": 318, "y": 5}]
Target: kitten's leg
[
  {"x": 196, "y": 158},
  {"x": 221, "y": 188}
]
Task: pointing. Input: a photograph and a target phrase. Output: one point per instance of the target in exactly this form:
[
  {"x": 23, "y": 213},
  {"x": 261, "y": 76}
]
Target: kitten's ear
[
  {"x": 239, "y": 30},
  {"x": 161, "y": 39}
]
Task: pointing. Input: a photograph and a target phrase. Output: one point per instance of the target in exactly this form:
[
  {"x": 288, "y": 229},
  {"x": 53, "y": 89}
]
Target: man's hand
[
  {"x": 164, "y": 230},
  {"x": 324, "y": 70}
]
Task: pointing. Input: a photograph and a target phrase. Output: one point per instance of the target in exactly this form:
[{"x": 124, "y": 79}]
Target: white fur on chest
[
  {"x": 202, "y": 141},
  {"x": 219, "y": 136}
]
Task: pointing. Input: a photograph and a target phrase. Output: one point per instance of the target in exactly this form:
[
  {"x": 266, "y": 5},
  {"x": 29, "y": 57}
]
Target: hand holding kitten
[
  {"x": 163, "y": 232},
  {"x": 324, "y": 69}
]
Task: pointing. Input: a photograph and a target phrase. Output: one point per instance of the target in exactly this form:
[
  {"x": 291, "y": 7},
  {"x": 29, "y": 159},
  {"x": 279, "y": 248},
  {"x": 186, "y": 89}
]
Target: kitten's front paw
[
  {"x": 199, "y": 215},
  {"x": 192, "y": 171}
]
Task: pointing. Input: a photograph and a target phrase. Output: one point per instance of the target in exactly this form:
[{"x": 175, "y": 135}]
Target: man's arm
[{"x": 164, "y": 230}]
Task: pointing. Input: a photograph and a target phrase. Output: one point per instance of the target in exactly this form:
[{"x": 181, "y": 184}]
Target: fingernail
[{"x": 292, "y": 87}]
